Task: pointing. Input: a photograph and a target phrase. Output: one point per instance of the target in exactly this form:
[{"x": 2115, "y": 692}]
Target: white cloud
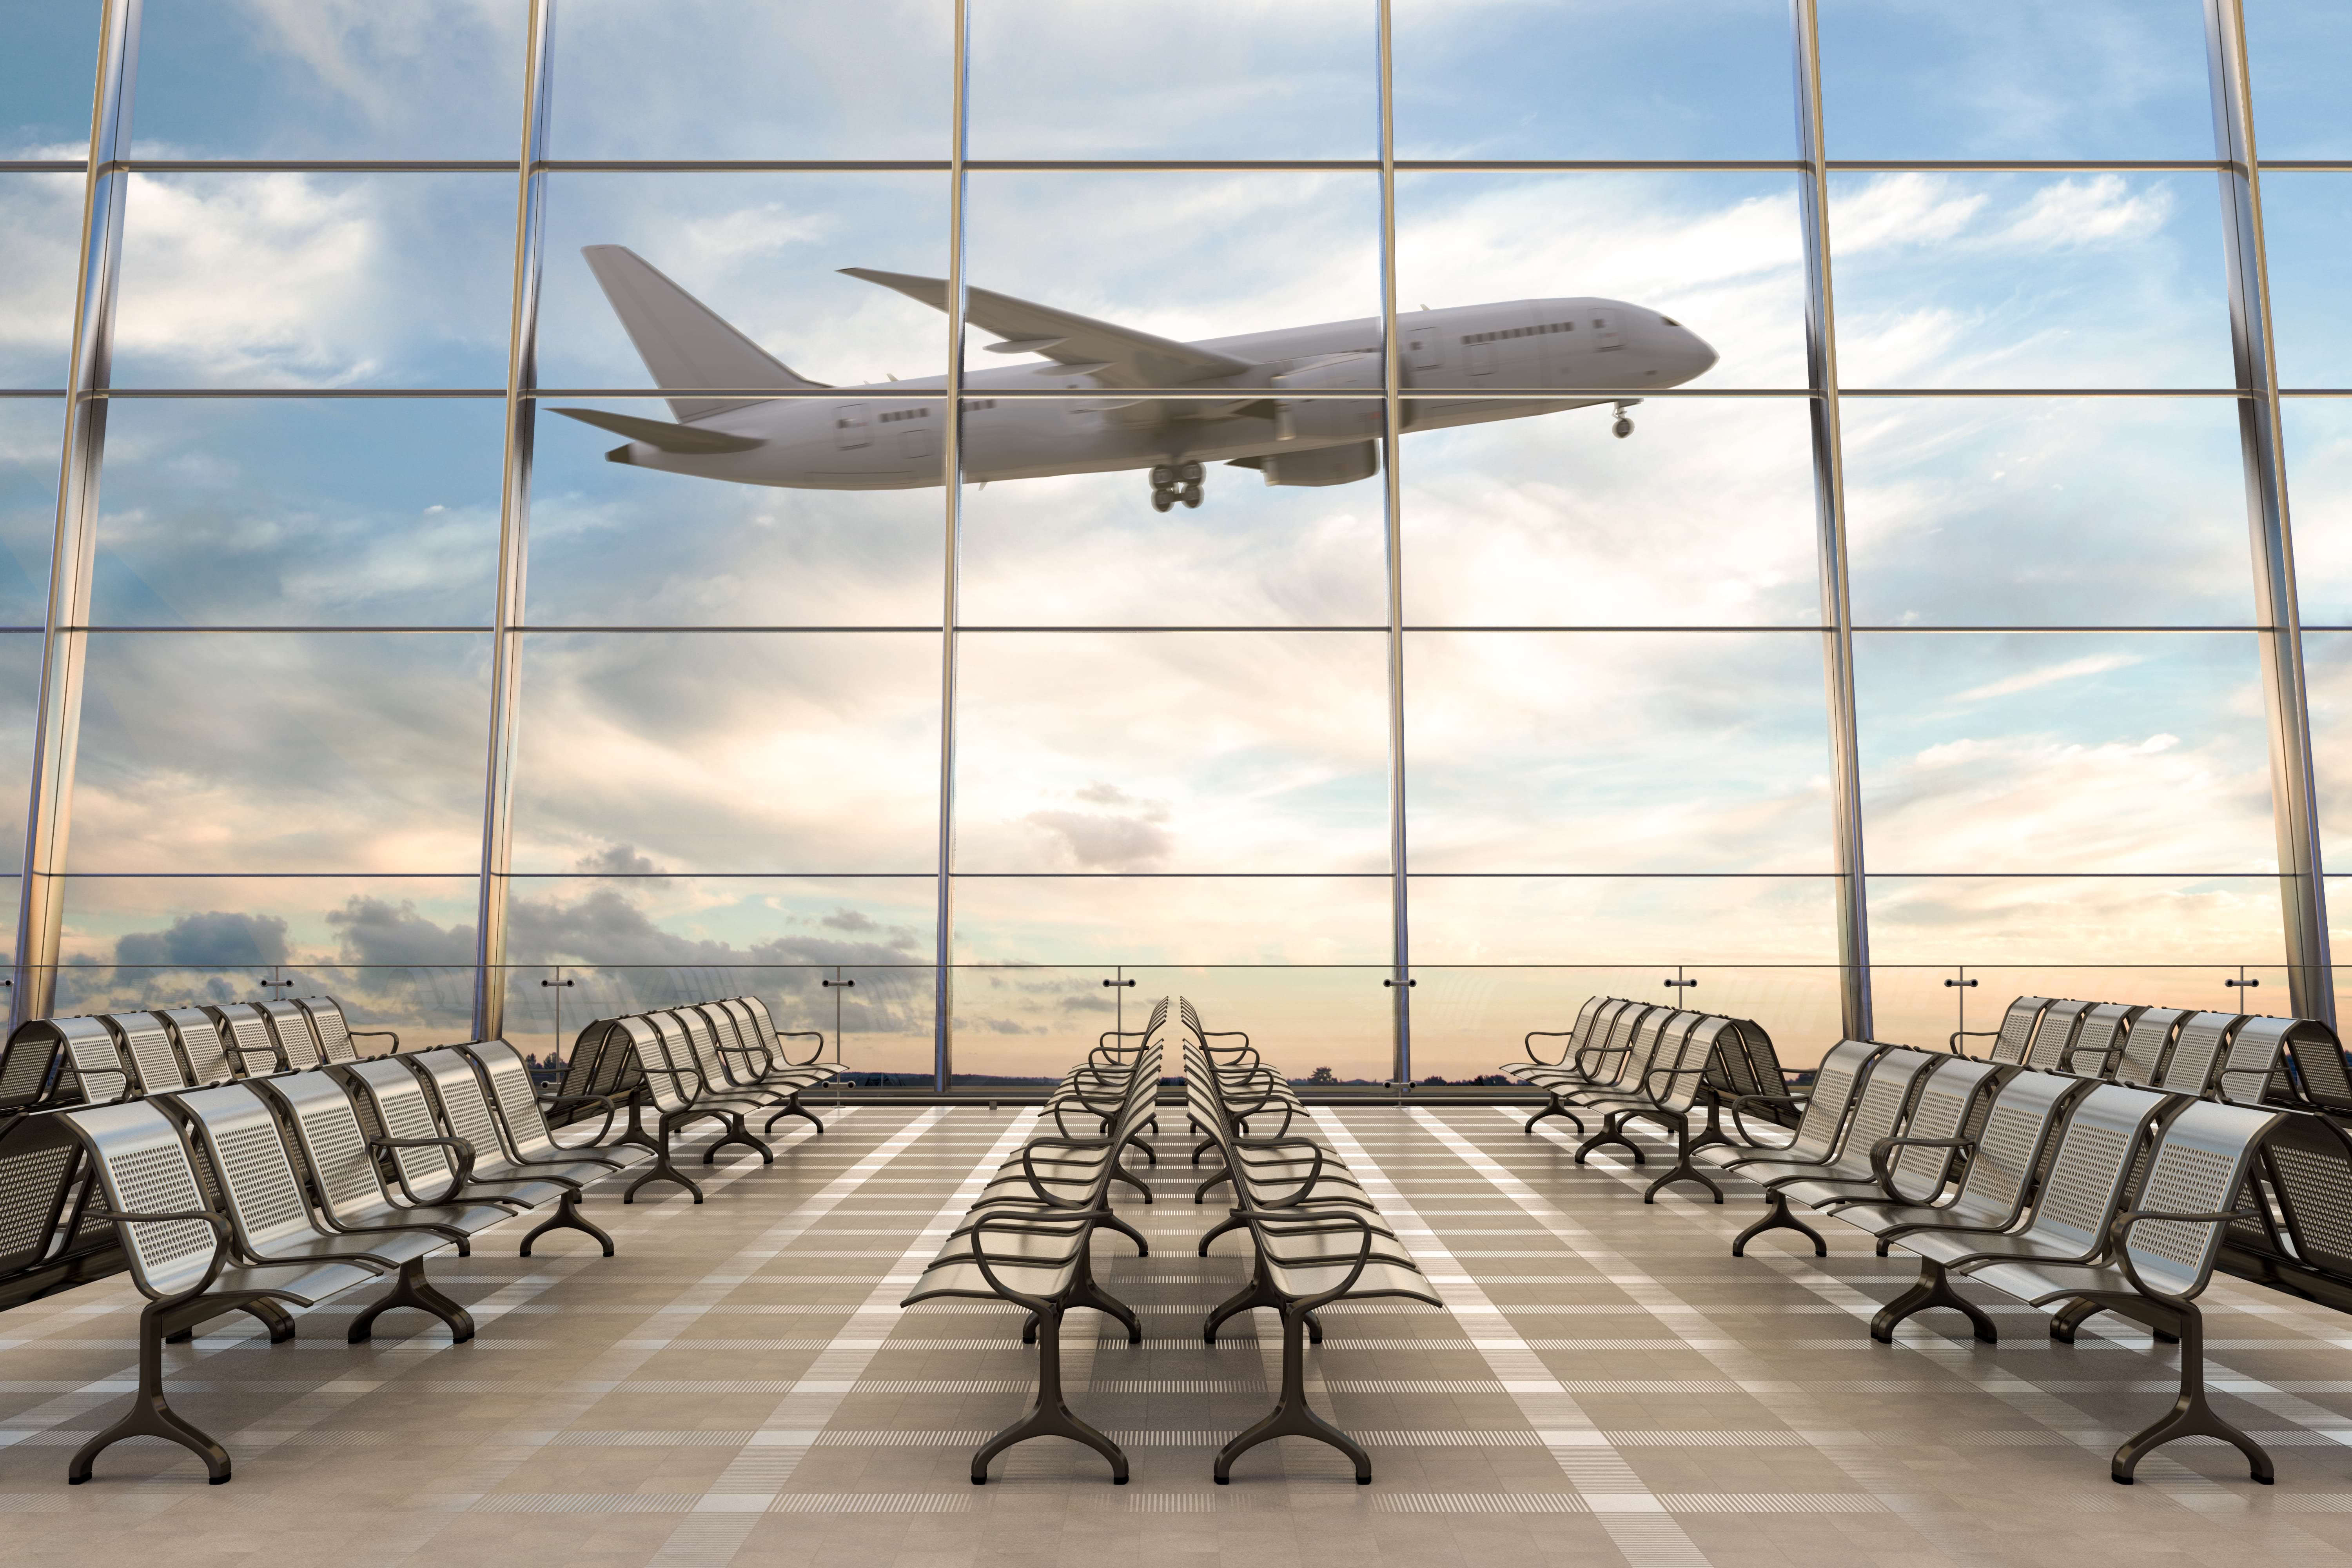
[{"x": 2048, "y": 675}]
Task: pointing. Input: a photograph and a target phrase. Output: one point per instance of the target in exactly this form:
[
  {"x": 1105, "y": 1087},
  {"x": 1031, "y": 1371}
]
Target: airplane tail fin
[{"x": 682, "y": 341}]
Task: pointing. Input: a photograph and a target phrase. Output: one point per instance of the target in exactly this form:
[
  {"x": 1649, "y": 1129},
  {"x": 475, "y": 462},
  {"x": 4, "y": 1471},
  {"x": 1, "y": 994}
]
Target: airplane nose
[{"x": 1702, "y": 353}]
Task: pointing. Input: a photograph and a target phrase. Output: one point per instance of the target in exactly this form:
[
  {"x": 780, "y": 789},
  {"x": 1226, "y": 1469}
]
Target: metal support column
[
  {"x": 2293, "y": 793},
  {"x": 1829, "y": 490},
  {"x": 64, "y": 640},
  {"x": 1391, "y": 438},
  {"x": 951, "y": 476},
  {"x": 514, "y": 536}
]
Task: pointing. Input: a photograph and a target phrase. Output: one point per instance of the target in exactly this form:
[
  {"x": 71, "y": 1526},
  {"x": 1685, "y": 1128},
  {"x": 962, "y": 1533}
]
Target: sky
[{"x": 1615, "y": 756}]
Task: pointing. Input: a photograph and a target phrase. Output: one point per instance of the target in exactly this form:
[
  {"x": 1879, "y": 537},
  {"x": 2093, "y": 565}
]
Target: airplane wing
[{"x": 1114, "y": 356}]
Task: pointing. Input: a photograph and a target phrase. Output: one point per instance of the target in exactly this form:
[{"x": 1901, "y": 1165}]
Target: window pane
[
  {"x": 620, "y": 544},
  {"x": 397, "y": 952},
  {"x": 1705, "y": 79},
  {"x": 1924, "y": 1006},
  {"x": 223, "y": 79},
  {"x": 870, "y": 80},
  {"x": 352, "y": 512},
  {"x": 1469, "y": 1022},
  {"x": 761, "y": 251},
  {"x": 1179, "y": 256},
  {"x": 2327, "y": 680},
  {"x": 1613, "y": 751},
  {"x": 2062, "y": 752},
  {"x": 1175, "y": 79},
  {"x": 2060, "y": 280},
  {"x": 1721, "y": 255},
  {"x": 282, "y": 751},
  {"x": 40, "y": 262},
  {"x": 20, "y": 695},
  {"x": 1062, "y": 549},
  {"x": 1989, "y": 512},
  {"x": 31, "y": 431},
  {"x": 2318, "y": 443},
  {"x": 777, "y": 752},
  {"x": 1704, "y": 516},
  {"x": 1314, "y": 1025},
  {"x": 2295, "y": 51},
  {"x": 2093, "y": 78},
  {"x": 324, "y": 280},
  {"x": 2307, "y": 227},
  {"x": 47, "y": 78},
  {"x": 1173, "y": 752}
]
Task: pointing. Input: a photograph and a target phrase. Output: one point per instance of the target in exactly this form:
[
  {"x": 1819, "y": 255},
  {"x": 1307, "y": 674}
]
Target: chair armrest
[
  {"x": 464, "y": 1161},
  {"x": 1528, "y": 1045},
  {"x": 2120, "y": 1228},
  {"x": 1882, "y": 1169},
  {"x": 1256, "y": 1217},
  {"x": 1791, "y": 1100},
  {"x": 222, "y": 1236},
  {"x": 783, "y": 1034},
  {"x": 1953, "y": 1045},
  {"x": 1082, "y": 1222},
  {"x": 700, "y": 1085}
]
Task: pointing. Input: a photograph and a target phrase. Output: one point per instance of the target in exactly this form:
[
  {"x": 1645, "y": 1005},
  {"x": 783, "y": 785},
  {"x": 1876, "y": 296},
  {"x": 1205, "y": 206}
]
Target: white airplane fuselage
[{"x": 889, "y": 438}]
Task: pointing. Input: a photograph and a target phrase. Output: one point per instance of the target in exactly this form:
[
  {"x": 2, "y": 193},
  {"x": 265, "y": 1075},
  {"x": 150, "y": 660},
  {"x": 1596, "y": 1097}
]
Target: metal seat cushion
[
  {"x": 2197, "y": 1052},
  {"x": 2002, "y": 1164},
  {"x": 1884, "y": 1094},
  {"x": 2053, "y": 1039},
  {"x": 289, "y": 1025},
  {"x": 246, "y": 1034},
  {"x": 1824, "y": 1113},
  {"x": 146, "y": 1039},
  {"x": 1929, "y": 1142},
  {"x": 466, "y": 1111},
  {"x": 528, "y": 1134},
  {"x": 349, "y": 1184},
  {"x": 198, "y": 1035},
  {"x": 2069, "y": 1220}
]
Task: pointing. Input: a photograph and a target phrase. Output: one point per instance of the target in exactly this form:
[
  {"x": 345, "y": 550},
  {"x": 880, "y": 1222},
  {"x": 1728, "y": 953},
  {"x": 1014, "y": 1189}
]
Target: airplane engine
[
  {"x": 1310, "y": 418},
  {"x": 1322, "y": 464}
]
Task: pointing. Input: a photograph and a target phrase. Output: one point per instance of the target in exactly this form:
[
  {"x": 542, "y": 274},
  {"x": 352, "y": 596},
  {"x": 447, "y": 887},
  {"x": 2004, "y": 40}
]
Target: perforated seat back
[
  {"x": 2054, "y": 1039},
  {"x": 510, "y": 1079},
  {"x": 669, "y": 1090},
  {"x": 327, "y": 1126},
  {"x": 1581, "y": 1029},
  {"x": 147, "y": 1042},
  {"x": 2197, "y": 1052},
  {"x": 2319, "y": 1065},
  {"x": 263, "y": 1195},
  {"x": 1696, "y": 1037},
  {"x": 199, "y": 1034},
  {"x": 1951, "y": 1092},
  {"x": 2200, "y": 1162},
  {"x": 289, "y": 1026},
  {"x": 2145, "y": 1044},
  {"x": 580, "y": 1064},
  {"x": 1825, "y": 1115},
  {"x": 2254, "y": 1067},
  {"x": 1649, "y": 1048},
  {"x": 1729, "y": 1071},
  {"x": 406, "y": 1117},
  {"x": 334, "y": 1031},
  {"x": 2016, "y": 1033},
  {"x": 2094, "y": 1157},
  {"x": 677, "y": 1049},
  {"x": 727, "y": 1033},
  {"x": 93, "y": 1064},
  {"x": 618, "y": 1070},
  {"x": 465, "y": 1106},
  {"x": 2102, "y": 1031},
  {"x": 700, "y": 1043},
  {"x": 2309, "y": 1164},
  {"x": 41, "y": 1161},
  {"x": 1614, "y": 1061},
  {"x": 143, "y": 1168},
  {"x": 246, "y": 1034},
  {"x": 1885, "y": 1095},
  {"x": 31, "y": 1056}
]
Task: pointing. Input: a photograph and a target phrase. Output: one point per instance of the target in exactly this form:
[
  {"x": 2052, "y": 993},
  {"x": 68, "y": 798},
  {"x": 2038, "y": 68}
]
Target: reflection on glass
[
  {"x": 1217, "y": 921},
  {"x": 282, "y": 751},
  {"x": 1921, "y": 1005},
  {"x": 1706, "y": 80},
  {"x": 2108, "y": 922},
  {"x": 1616, "y": 752},
  {"x": 1637, "y": 281},
  {"x": 2047, "y": 512},
  {"x": 1230, "y": 263},
  {"x": 1318, "y": 1026},
  {"x": 2327, "y": 682},
  {"x": 46, "y": 77},
  {"x": 1617, "y": 920},
  {"x": 2062, "y": 752},
  {"x": 1173, "y": 752},
  {"x": 316, "y": 279},
  {"x": 614, "y": 542},
  {"x": 759, "y": 752},
  {"x": 2060, "y": 280},
  {"x": 218, "y": 511},
  {"x": 222, "y": 79},
  {"x": 20, "y": 685},
  {"x": 2307, "y": 227},
  {"x": 2093, "y": 78},
  {"x": 30, "y": 428},
  {"x": 397, "y": 952},
  {"x": 1467, "y": 1022},
  {"x": 720, "y": 78},
  {"x": 1266, "y": 546},
  {"x": 1703, "y": 516},
  {"x": 2295, "y": 51},
  {"x": 40, "y": 258},
  {"x": 2318, "y": 441},
  {"x": 1175, "y": 79}
]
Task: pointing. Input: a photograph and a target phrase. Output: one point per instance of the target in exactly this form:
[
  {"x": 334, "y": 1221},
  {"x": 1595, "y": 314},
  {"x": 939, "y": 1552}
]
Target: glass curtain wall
[{"x": 1840, "y": 512}]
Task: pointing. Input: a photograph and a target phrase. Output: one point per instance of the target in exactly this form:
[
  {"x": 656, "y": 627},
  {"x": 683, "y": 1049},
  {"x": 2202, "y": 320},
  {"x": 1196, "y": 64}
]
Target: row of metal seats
[
  {"x": 50, "y": 1062},
  {"x": 2246, "y": 1058},
  {"x": 1315, "y": 1234},
  {"x": 1027, "y": 1238}
]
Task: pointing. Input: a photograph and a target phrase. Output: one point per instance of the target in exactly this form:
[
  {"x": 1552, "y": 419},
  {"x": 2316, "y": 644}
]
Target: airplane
[{"x": 1276, "y": 420}]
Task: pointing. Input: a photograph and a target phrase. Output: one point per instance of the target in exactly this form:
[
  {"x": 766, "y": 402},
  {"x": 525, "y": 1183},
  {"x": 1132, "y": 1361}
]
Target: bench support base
[
  {"x": 1682, "y": 1170},
  {"x": 1777, "y": 1217},
  {"x": 1557, "y": 1107},
  {"x": 273, "y": 1316},
  {"x": 1050, "y": 1416},
  {"x": 1934, "y": 1289},
  {"x": 1292, "y": 1416},
  {"x": 1613, "y": 1131},
  {"x": 795, "y": 1109},
  {"x": 150, "y": 1415},
  {"x": 663, "y": 1169},
  {"x": 567, "y": 1216},
  {"x": 411, "y": 1288},
  {"x": 2191, "y": 1415},
  {"x": 1249, "y": 1297}
]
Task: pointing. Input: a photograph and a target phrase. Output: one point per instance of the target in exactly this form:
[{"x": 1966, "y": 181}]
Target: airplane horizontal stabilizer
[
  {"x": 683, "y": 342},
  {"x": 1113, "y": 355},
  {"x": 681, "y": 438}
]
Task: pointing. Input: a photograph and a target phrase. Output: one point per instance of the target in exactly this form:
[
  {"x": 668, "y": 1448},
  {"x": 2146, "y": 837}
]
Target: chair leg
[
  {"x": 738, "y": 1133},
  {"x": 1292, "y": 1416},
  {"x": 1713, "y": 1131},
  {"x": 1130, "y": 1178},
  {"x": 2191, "y": 1415},
  {"x": 1090, "y": 1293},
  {"x": 411, "y": 1288},
  {"x": 567, "y": 1216},
  {"x": 1777, "y": 1217},
  {"x": 663, "y": 1169},
  {"x": 1150, "y": 1153},
  {"x": 150, "y": 1415},
  {"x": 1217, "y": 1230},
  {"x": 1682, "y": 1170},
  {"x": 1112, "y": 1222},
  {"x": 795, "y": 1109},
  {"x": 1202, "y": 1147},
  {"x": 1613, "y": 1131},
  {"x": 1557, "y": 1107},
  {"x": 1249, "y": 1297},
  {"x": 1933, "y": 1288},
  {"x": 2068, "y": 1321},
  {"x": 1050, "y": 1416},
  {"x": 1201, "y": 1191},
  {"x": 273, "y": 1316}
]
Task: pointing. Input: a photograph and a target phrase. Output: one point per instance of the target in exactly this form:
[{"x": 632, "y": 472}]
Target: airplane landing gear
[
  {"x": 1624, "y": 426},
  {"x": 1173, "y": 483}
]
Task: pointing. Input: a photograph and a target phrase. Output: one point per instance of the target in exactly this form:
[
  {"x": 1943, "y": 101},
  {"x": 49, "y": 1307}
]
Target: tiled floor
[{"x": 1606, "y": 1385}]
